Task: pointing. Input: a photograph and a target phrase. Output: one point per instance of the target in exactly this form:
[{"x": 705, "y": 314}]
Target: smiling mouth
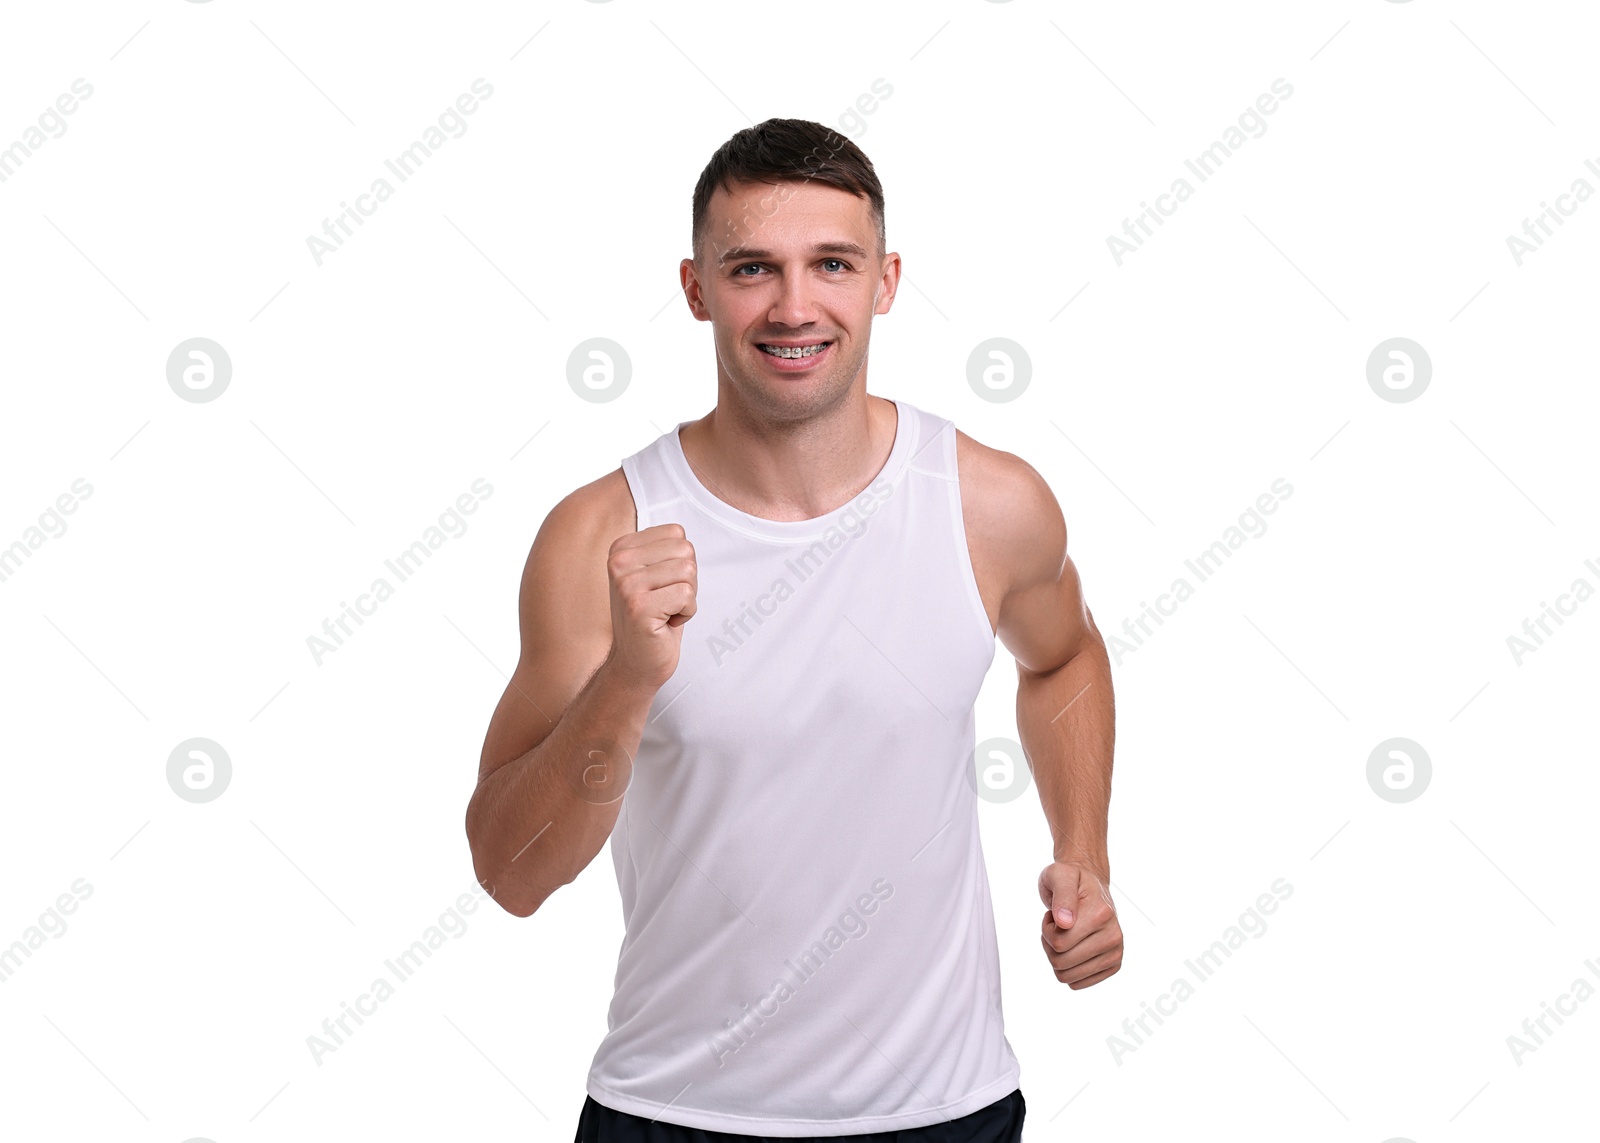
[{"x": 792, "y": 351}]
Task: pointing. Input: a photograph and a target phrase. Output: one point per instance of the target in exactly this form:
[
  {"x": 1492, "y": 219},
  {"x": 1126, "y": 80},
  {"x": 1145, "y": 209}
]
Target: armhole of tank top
[
  {"x": 641, "y": 510},
  {"x": 626, "y": 822},
  {"x": 635, "y": 481},
  {"x": 969, "y": 578}
]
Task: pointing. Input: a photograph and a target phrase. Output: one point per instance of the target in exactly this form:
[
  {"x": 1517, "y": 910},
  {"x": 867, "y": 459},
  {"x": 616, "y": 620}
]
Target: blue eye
[{"x": 739, "y": 272}]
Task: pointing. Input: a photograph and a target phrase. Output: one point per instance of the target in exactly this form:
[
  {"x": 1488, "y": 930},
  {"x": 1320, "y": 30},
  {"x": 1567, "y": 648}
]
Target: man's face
[{"x": 789, "y": 265}]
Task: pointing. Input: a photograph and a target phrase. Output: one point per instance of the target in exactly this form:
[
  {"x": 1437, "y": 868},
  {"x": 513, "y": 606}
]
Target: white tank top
[{"x": 810, "y": 944}]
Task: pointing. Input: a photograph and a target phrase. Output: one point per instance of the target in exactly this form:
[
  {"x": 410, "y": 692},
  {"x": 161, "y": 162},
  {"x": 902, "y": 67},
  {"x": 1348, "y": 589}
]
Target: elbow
[
  {"x": 509, "y": 896},
  {"x": 518, "y": 908},
  {"x": 515, "y": 896},
  {"x": 518, "y": 887}
]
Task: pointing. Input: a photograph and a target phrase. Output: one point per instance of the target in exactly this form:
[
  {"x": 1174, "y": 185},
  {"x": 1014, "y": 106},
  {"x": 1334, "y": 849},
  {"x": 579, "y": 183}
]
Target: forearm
[
  {"x": 535, "y": 823},
  {"x": 1066, "y": 720}
]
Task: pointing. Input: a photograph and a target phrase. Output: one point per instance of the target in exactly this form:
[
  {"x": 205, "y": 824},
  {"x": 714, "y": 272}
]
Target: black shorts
[{"x": 1000, "y": 1122}]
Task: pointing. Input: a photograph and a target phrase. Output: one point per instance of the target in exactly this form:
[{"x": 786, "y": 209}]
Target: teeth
[{"x": 794, "y": 351}]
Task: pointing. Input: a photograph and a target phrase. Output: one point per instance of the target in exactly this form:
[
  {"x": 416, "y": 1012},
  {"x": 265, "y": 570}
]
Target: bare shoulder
[
  {"x": 1016, "y": 534},
  {"x": 595, "y": 513},
  {"x": 566, "y": 564},
  {"x": 563, "y": 616}
]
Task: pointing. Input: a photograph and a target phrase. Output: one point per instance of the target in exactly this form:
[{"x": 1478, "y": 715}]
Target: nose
[{"x": 793, "y": 306}]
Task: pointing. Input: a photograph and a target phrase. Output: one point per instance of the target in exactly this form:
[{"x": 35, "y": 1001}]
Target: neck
[{"x": 796, "y": 469}]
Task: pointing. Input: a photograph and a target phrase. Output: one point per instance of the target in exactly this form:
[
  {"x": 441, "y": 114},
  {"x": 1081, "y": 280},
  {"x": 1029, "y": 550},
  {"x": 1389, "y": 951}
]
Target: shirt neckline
[{"x": 759, "y": 526}]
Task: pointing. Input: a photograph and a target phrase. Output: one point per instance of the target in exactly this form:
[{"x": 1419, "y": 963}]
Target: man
[{"x": 749, "y": 659}]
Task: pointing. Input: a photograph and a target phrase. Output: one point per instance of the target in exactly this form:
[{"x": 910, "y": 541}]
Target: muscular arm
[
  {"x": 1065, "y": 708},
  {"x": 558, "y": 744},
  {"x": 1065, "y": 712}
]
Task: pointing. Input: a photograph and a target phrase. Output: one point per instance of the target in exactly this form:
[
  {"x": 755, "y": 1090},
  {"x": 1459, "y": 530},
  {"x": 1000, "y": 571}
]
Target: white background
[{"x": 370, "y": 391}]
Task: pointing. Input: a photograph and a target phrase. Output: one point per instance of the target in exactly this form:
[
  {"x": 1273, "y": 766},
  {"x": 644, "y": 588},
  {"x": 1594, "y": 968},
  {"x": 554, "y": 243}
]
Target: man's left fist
[{"x": 1081, "y": 934}]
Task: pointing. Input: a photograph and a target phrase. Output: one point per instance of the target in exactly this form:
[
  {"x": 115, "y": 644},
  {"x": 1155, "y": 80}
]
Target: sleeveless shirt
[{"x": 809, "y": 944}]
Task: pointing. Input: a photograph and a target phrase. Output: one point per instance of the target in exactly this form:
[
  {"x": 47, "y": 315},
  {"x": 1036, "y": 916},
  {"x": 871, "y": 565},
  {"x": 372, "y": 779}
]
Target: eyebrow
[{"x": 741, "y": 252}]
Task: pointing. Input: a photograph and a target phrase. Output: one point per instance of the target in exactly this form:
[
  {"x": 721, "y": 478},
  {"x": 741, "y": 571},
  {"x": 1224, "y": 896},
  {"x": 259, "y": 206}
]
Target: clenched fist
[
  {"x": 1081, "y": 933},
  {"x": 653, "y": 583}
]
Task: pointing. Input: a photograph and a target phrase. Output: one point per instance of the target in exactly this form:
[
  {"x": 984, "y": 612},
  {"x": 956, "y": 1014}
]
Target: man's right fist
[{"x": 653, "y": 583}]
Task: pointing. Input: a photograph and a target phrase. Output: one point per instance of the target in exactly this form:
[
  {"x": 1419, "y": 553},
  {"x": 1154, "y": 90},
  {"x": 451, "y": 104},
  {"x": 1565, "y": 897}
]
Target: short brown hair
[{"x": 787, "y": 151}]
